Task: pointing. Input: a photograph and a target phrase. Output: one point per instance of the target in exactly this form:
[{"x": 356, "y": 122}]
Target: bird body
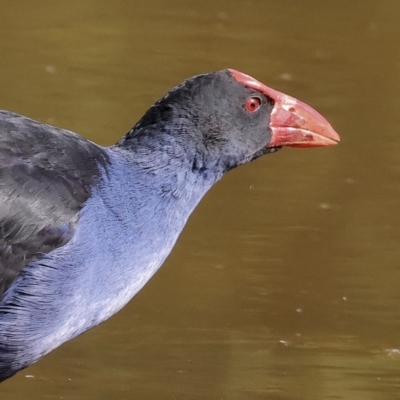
[
  {"x": 84, "y": 227},
  {"x": 109, "y": 234}
]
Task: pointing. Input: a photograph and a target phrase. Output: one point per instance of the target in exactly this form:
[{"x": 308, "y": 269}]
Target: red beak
[{"x": 293, "y": 123}]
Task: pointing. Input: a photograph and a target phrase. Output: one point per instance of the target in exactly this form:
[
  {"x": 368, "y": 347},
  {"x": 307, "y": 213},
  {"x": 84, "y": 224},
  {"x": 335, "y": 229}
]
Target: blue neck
[{"x": 125, "y": 232}]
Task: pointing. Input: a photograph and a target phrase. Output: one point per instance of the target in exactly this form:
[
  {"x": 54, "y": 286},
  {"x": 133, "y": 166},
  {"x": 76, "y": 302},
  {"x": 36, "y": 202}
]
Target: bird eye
[{"x": 253, "y": 104}]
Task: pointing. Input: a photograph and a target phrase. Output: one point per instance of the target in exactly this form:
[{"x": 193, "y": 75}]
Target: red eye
[{"x": 253, "y": 104}]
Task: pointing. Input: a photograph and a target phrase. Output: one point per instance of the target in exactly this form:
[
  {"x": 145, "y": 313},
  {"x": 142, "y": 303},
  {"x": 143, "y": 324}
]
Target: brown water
[{"x": 285, "y": 283}]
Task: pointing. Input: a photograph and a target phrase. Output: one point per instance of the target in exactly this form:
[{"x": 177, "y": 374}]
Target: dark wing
[{"x": 46, "y": 175}]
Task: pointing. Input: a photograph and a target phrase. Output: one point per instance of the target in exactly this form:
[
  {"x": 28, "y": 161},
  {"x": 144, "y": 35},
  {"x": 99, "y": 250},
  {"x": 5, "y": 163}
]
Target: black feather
[{"x": 42, "y": 189}]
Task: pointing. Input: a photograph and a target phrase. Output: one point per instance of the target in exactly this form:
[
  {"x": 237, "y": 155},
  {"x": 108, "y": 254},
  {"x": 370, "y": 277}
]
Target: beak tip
[{"x": 332, "y": 134}]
